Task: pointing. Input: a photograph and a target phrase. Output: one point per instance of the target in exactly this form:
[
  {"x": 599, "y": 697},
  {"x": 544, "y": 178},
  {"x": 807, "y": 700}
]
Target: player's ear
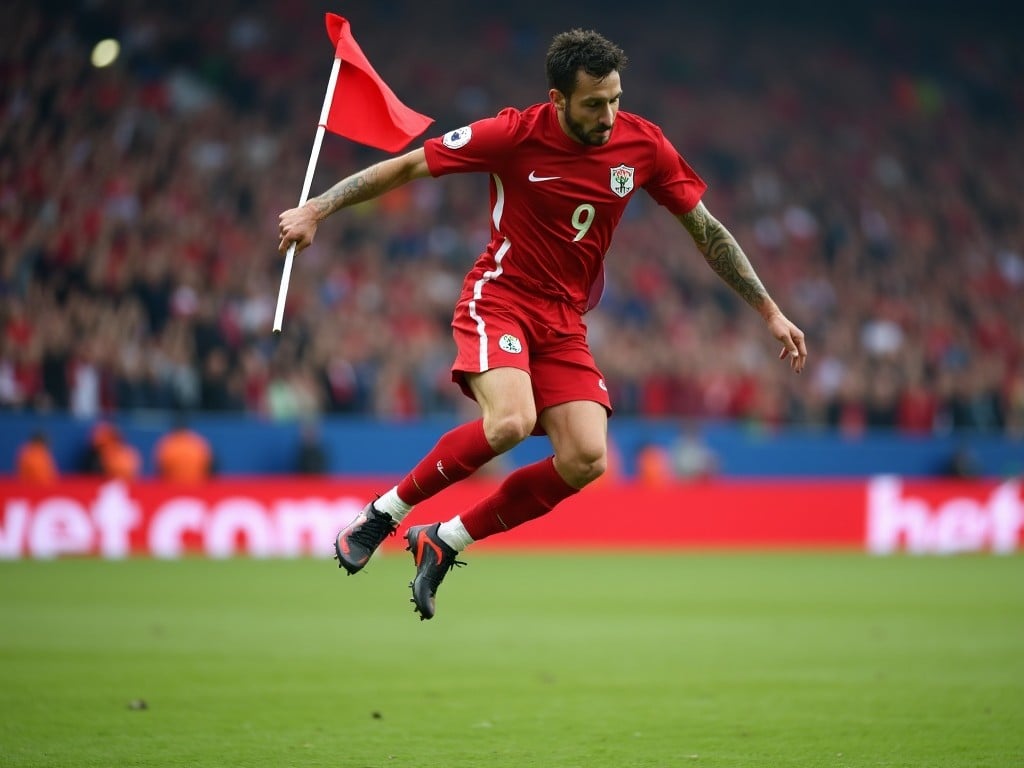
[{"x": 557, "y": 98}]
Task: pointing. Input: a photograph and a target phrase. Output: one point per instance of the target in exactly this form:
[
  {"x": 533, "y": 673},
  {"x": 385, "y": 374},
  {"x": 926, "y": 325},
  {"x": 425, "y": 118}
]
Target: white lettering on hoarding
[
  {"x": 236, "y": 519},
  {"x": 310, "y": 525},
  {"x": 959, "y": 524},
  {"x": 12, "y": 532},
  {"x": 61, "y": 525},
  {"x": 115, "y": 515},
  {"x": 171, "y": 522}
]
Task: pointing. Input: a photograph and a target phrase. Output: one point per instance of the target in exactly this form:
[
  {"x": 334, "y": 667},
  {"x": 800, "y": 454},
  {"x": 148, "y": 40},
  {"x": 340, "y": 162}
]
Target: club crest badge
[
  {"x": 458, "y": 138},
  {"x": 622, "y": 180},
  {"x": 510, "y": 344}
]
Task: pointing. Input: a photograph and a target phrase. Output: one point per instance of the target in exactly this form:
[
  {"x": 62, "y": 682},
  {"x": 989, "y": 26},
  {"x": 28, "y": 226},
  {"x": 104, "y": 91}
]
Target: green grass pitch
[{"x": 702, "y": 659}]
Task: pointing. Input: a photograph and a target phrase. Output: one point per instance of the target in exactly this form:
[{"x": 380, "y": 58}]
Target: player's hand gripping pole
[{"x": 310, "y": 170}]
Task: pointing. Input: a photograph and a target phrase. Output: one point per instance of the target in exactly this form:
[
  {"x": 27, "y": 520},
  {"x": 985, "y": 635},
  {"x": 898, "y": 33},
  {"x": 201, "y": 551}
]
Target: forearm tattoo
[
  {"x": 356, "y": 188},
  {"x": 724, "y": 255}
]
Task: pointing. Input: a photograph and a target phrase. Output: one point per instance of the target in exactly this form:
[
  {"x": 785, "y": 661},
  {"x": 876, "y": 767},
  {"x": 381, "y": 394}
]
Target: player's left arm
[{"x": 724, "y": 255}]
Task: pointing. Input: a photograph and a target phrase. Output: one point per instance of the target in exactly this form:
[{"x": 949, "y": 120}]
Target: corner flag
[{"x": 366, "y": 111}]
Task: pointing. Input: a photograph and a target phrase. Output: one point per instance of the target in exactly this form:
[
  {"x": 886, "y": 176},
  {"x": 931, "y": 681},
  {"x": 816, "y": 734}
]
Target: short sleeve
[
  {"x": 480, "y": 146},
  {"x": 674, "y": 183}
]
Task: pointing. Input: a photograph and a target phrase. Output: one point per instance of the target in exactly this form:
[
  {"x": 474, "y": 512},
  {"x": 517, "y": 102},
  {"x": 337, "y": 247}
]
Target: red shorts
[{"x": 495, "y": 326}]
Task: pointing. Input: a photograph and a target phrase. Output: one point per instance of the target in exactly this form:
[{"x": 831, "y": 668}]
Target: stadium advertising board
[{"x": 296, "y": 518}]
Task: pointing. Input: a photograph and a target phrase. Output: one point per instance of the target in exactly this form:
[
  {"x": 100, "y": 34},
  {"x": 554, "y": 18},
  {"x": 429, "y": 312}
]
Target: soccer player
[{"x": 561, "y": 175}]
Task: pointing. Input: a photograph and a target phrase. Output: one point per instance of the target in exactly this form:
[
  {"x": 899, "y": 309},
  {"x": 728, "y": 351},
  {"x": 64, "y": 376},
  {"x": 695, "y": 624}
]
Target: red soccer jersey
[{"x": 555, "y": 203}]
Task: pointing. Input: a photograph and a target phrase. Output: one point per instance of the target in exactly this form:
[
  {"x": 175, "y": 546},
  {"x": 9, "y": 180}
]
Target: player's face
[{"x": 588, "y": 115}]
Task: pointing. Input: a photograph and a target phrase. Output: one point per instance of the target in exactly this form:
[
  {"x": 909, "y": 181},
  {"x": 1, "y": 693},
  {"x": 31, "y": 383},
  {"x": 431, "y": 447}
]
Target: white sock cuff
[
  {"x": 454, "y": 534},
  {"x": 391, "y": 505}
]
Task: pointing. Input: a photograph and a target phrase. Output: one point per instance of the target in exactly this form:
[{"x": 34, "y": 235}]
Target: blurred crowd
[{"x": 871, "y": 166}]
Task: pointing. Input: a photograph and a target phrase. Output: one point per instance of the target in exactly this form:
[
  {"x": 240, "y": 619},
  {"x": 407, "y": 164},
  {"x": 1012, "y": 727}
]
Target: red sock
[
  {"x": 529, "y": 492},
  {"x": 458, "y": 454}
]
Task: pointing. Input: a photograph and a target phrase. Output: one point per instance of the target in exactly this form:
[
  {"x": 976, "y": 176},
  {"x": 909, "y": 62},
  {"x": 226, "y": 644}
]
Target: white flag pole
[{"x": 310, "y": 170}]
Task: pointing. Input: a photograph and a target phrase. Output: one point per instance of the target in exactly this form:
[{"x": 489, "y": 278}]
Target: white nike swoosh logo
[{"x": 534, "y": 177}]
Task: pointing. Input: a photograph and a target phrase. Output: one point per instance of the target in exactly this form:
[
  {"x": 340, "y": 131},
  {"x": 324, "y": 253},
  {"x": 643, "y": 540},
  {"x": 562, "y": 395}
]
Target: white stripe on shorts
[{"x": 481, "y": 326}]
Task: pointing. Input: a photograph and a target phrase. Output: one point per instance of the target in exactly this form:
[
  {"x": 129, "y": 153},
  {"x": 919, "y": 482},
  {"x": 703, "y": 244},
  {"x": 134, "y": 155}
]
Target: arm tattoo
[
  {"x": 724, "y": 255},
  {"x": 356, "y": 188}
]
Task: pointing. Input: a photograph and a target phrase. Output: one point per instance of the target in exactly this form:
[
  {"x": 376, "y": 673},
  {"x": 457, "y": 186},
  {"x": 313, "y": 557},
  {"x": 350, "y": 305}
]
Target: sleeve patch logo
[
  {"x": 457, "y": 138},
  {"x": 510, "y": 344}
]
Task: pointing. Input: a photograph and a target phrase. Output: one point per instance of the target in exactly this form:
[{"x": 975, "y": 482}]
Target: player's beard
[{"x": 591, "y": 138}]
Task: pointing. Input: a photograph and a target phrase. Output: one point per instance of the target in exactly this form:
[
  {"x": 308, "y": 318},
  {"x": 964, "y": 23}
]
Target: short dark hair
[{"x": 581, "y": 49}]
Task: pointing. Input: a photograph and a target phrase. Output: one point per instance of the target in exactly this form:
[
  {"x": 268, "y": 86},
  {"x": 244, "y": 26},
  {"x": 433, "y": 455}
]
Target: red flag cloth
[{"x": 363, "y": 107}]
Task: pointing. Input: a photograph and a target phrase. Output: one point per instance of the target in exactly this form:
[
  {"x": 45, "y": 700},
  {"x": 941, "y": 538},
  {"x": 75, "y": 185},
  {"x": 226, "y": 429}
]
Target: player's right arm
[{"x": 298, "y": 225}]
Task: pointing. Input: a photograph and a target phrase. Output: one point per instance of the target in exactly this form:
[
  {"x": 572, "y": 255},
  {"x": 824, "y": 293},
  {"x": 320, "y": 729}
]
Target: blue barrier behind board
[{"x": 360, "y": 446}]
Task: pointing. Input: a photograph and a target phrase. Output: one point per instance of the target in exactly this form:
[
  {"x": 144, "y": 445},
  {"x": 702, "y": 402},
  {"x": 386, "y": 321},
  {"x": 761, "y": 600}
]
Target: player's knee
[
  {"x": 508, "y": 430},
  {"x": 593, "y": 469},
  {"x": 584, "y": 466}
]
